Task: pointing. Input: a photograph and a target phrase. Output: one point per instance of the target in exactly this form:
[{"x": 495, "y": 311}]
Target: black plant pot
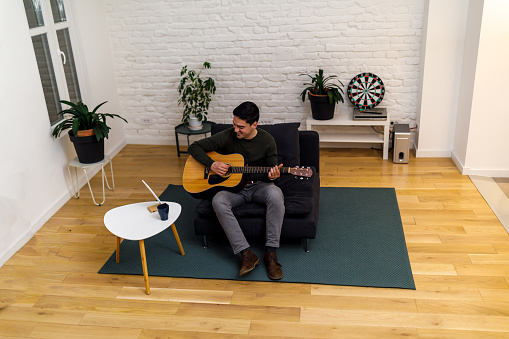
[
  {"x": 88, "y": 149},
  {"x": 321, "y": 109}
]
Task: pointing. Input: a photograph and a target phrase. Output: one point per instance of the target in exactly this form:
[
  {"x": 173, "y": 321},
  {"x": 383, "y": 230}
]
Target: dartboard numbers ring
[{"x": 366, "y": 90}]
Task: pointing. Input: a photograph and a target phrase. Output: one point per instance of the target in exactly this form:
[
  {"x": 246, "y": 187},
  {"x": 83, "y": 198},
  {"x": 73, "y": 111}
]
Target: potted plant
[
  {"x": 323, "y": 94},
  {"x": 87, "y": 130},
  {"x": 195, "y": 95}
]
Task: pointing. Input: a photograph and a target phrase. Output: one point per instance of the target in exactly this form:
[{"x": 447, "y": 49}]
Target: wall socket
[
  {"x": 146, "y": 121},
  {"x": 265, "y": 122}
]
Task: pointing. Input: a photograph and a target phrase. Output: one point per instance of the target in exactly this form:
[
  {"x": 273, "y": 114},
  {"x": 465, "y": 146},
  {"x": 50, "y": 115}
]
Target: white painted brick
[{"x": 257, "y": 50}]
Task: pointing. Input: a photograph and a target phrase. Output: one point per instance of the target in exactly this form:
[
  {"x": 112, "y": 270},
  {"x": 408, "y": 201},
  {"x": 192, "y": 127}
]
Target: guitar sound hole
[{"x": 215, "y": 179}]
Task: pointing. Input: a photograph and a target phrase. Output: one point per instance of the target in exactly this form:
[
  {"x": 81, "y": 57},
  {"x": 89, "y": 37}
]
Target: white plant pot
[{"x": 194, "y": 123}]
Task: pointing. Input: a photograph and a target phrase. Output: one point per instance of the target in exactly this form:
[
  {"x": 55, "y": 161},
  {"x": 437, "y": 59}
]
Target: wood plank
[
  {"x": 405, "y": 320},
  {"x": 433, "y": 229},
  {"x": 169, "y": 334},
  {"x": 80, "y": 331},
  {"x": 309, "y": 330},
  {"x": 16, "y": 329},
  {"x": 425, "y": 333},
  {"x": 316, "y": 300},
  {"x": 463, "y": 307},
  {"x": 200, "y": 310},
  {"x": 468, "y": 248},
  {"x": 105, "y": 305},
  {"x": 179, "y": 323},
  {"x": 432, "y": 293},
  {"x": 486, "y": 270},
  {"x": 240, "y": 286},
  {"x": 439, "y": 258},
  {"x": 30, "y": 314},
  {"x": 116, "y": 280},
  {"x": 178, "y": 295},
  {"x": 430, "y": 282},
  {"x": 501, "y": 295},
  {"x": 489, "y": 258},
  {"x": 433, "y": 269}
]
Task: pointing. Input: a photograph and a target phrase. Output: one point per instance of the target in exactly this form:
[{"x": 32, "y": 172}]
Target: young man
[{"x": 259, "y": 149}]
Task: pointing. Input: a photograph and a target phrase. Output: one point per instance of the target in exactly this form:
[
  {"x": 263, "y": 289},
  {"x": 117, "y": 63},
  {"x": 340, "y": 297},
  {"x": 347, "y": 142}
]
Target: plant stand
[
  {"x": 184, "y": 129},
  {"x": 76, "y": 164}
]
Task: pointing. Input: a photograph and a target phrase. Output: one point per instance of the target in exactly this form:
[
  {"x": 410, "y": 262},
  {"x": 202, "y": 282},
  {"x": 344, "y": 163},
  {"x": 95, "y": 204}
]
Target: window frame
[{"x": 50, "y": 28}]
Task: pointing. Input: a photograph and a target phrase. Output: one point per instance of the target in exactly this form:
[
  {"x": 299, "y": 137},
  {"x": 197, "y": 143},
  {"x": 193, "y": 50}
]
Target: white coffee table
[{"x": 135, "y": 222}]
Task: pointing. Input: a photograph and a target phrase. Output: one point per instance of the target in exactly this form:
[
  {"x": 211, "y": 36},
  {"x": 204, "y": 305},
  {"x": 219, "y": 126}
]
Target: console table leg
[
  {"x": 144, "y": 265},
  {"x": 174, "y": 229}
]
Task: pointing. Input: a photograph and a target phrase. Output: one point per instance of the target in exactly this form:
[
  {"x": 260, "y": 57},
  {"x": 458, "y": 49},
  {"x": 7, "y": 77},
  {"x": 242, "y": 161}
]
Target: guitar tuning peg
[{"x": 301, "y": 178}]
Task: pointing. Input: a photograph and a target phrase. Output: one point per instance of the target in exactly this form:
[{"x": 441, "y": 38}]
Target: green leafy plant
[
  {"x": 195, "y": 93},
  {"x": 321, "y": 85},
  {"x": 79, "y": 118}
]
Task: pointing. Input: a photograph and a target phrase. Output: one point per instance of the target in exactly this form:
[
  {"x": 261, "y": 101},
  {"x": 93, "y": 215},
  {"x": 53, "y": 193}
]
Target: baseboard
[
  {"x": 457, "y": 162},
  {"x": 483, "y": 172},
  {"x": 431, "y": 154},
  {"x": 46, "y": 215},
  {"x": 486, "y": 173},
  {"x": 135, "y": 140}
]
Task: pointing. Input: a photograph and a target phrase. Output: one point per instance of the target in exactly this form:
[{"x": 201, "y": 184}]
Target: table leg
[
  {"x": 385, "y": 155},
  {"x": 90, "y": 187},
  {"x": 178, "y": 146},
  {"x": 112, "y": 177},
  {"x": 76, "y": 190},
  {"x": 118, "y": 249},
  {"x": 174, "y": 229},
  {"x": 144, "y": 265}
]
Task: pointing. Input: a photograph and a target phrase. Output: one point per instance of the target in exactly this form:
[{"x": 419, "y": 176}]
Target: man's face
[{"x": 243, "y": 129}]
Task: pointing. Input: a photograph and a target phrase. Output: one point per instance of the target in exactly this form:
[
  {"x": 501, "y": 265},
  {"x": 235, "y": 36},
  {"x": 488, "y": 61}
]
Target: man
[{"x": 259, "y": 149}]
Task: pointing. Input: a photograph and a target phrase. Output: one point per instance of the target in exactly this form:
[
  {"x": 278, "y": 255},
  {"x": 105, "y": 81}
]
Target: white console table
[{"x": 345, "y": 119}]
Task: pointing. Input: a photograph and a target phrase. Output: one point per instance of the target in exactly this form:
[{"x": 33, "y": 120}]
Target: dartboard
[{"x": 366, "y": 90}]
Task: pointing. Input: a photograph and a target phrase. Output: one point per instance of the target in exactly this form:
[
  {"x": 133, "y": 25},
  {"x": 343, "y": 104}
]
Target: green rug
[{"x": 359, "y": 242}]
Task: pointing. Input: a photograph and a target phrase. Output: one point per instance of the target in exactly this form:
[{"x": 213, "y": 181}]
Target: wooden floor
[{"x": 458, "y": 250}]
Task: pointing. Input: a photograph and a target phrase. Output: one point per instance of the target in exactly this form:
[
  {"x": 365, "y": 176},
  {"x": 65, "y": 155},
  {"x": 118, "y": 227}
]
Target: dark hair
[{"x": 247, "y": 111}]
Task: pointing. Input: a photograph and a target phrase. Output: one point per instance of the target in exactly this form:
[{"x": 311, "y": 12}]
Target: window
[{"x": 49, "y": 29}]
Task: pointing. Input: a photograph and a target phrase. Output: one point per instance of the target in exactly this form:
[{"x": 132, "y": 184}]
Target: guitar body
[
  {"x": 198, "y": 179},
  {"x": 201, "y": 182}
]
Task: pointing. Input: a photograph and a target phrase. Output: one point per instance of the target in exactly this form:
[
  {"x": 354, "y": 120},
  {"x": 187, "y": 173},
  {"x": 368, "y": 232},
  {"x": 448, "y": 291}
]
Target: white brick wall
[{"x": 257, "y": 50}]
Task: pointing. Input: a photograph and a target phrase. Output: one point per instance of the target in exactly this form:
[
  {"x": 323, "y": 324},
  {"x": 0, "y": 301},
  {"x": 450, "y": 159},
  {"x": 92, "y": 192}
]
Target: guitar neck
[{"x": 256, "y": 169}]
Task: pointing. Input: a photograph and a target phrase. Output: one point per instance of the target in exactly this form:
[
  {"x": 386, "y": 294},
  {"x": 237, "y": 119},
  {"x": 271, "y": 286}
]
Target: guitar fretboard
[{"x": 256, "y": 169}]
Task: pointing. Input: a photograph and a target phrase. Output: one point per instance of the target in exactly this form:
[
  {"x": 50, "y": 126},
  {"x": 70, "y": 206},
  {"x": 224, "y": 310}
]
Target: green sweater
[{"x": 258, "y": 151}]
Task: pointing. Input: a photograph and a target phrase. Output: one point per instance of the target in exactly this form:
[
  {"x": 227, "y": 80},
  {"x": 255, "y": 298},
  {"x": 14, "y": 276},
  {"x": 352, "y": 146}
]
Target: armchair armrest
[{"x": 310, "y": 149}]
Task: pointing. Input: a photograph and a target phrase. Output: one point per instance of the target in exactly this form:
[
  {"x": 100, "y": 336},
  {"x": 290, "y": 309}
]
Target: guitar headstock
[{"x": 303, "y": 172}]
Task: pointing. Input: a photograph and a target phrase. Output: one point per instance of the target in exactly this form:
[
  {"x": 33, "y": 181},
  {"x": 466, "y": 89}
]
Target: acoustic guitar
[{"x": 198, "y": 178}]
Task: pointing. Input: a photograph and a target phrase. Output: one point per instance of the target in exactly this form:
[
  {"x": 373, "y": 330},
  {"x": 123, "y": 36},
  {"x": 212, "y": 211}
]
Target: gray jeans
[{"x": 260, "y": 192}]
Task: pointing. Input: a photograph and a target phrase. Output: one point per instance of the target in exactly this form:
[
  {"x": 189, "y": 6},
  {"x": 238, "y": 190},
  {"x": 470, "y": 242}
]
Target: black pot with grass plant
[
  {"x": 323, "y": 94},
  {"x": 88, "y": 129}
]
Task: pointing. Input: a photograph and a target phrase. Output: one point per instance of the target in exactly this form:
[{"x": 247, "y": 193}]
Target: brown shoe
[
  {"x": 248, "y": 262},
  {"x": 274, "y": 270}
]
